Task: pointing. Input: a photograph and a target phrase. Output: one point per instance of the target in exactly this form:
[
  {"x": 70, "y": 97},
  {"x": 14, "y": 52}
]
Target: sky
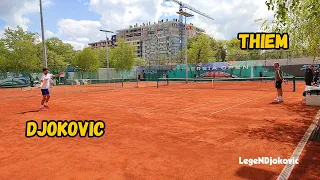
[{"x": 78, "y": 21}]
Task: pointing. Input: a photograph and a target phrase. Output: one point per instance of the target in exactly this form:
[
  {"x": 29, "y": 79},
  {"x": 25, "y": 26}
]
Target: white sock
[
  {"x": 46, "y": 104},
  {"x": 41, "y": 106}
]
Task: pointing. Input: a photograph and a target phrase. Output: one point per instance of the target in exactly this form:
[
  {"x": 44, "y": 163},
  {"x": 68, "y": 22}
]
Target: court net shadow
[
  {"x": 276, "y": 130},
  {"x": 252, "y": 173}
]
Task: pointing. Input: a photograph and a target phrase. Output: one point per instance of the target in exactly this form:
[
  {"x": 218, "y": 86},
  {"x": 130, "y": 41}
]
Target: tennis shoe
[
  {"x": 42, "y": 109},
  {"x": 279, "y": 100},
  {"x": 46, "y": 107}
]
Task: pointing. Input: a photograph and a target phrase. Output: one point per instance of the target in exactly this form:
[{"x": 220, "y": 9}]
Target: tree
[
  {"x": 162, "y": 60},
  {"x": 140, "y": 62},
  {"x": 234, "y": 53},
  {"x": 179, "y": 57},
  {"x": 3, "y": 53},
  {"x": 56, "y": 61},
  {"x": 299, "y": 18},
  {"x": 123, "y": 56},
  {"x": 200, "y": 50},
  {"x": 19, "y": 52},
  {"x": 87, "y": 61},
  {"x": 64, "y": 50},
  {"x": 23, "y": 58},
  {"x": 101, "y": 54},
  {"x": 13, "y": 36},
  {"x": 255, "y": 55},
  {"x": 219, "y": 47}
]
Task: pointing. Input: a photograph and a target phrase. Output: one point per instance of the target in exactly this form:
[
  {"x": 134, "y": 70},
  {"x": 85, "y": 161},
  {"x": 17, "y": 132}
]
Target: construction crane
[{"x": 181, "y": 12}]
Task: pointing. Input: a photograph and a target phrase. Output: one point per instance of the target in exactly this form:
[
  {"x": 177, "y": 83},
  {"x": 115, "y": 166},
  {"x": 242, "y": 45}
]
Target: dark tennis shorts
[
  {"x": 45, "y": 92},
  {"x": 279, "y": 84}
]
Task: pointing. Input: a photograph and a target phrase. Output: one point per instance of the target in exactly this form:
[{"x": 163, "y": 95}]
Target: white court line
[
  {"x": 215, "y": 112},
  {"x": 286, "y": 172}
]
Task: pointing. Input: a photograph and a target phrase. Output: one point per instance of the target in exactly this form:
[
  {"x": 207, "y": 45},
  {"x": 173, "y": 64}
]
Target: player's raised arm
[{"x": 57, "y": 75}]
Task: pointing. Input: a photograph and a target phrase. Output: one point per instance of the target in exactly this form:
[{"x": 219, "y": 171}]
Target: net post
[
  {"x": 212, "y": 83},
  {"x": 294, "y": 83},
  {"x": 157, "y": 82},
  {"x": 122, "y": 81}
]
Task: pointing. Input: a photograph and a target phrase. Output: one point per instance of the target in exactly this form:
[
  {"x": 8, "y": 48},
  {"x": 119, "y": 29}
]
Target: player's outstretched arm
[{"x": 57, "y": 75}]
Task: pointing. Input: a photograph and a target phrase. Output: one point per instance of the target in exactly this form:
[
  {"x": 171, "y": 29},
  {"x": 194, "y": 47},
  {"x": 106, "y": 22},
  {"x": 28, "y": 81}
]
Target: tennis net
[
  {"x": 251, "y": 84},
  {"x": 107, "y": 83}
]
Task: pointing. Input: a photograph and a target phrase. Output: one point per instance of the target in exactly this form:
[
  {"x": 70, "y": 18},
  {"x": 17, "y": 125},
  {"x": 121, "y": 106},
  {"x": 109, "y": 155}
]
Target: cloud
[
  {"x": 119, "y": 14},
  {"x": 80, "y": 33},
  {"x": 13, "y": 11},
  {"x": 230, "y": 16},
  {"x": 83, "y": 40},
  {"x": 79, "y": 30},
  {"x": 1, "y": 33},
  {"x": 49, "y": 34},
  {"x": 76, "y": 45}
]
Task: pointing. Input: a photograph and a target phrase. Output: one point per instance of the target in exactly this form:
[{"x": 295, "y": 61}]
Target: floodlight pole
[
  {"x": 45, "y": 63},
  {"x": 185, "y": 14},
  {"x": 186, "y": 48},
  {"x": 108, "y": 68}
]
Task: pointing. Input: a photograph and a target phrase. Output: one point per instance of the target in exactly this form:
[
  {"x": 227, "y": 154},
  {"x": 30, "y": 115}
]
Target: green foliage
[
  {"x": 219, "y": 48},
  {"x": 20, "y": 51},
  {"x": 87, "y": 61},
  {"x": 64, "y": 50},
  {"x": 200, "y": 49},
  {"x": 101, "y": 54},
  {"x": 234, "y": 51},
  {"x": 123, "y": 56},
  {"x": 162, "y": 60},
  {"x": 179, "y": 57},
  {"x": 23, "y": 58},
  {"x": 140, "y": 62},
  {"x": 300, "y": 18},
  {"x": 12, "y": 37},
  {"x": 3, "y": 54}
]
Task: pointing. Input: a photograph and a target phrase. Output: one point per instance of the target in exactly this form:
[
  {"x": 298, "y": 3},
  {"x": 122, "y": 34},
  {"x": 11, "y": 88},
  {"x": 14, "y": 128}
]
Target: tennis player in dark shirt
[
  {"x": 316, "y": 76},
  {"x": 309, "y": 75},
  {"x": 278, "y": 82}
]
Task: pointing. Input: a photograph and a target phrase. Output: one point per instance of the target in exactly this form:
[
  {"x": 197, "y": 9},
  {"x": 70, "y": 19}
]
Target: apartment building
[
  {"x": 158, "y": 39},
  {"x": 104, "y": 43},
  {"x": 153, "y": 41},
  {"x": 138, "y": 45}
]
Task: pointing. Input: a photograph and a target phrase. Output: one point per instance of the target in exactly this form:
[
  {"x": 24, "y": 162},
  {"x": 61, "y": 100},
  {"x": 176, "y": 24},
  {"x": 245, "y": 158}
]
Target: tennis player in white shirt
[{"x": 45, "y": 84}]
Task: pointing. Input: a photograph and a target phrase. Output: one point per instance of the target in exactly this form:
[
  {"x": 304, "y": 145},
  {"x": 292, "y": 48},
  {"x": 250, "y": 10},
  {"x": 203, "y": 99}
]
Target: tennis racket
[{"x": 29, "y": 88}]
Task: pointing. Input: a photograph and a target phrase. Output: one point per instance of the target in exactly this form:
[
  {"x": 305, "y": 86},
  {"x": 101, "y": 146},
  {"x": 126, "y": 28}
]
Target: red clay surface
[{"x": 166, "y": 133}]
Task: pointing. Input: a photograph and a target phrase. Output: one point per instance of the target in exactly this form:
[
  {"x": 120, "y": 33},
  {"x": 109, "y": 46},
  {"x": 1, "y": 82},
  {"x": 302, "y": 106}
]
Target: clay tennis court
[{"x": 171, "y": 132}]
